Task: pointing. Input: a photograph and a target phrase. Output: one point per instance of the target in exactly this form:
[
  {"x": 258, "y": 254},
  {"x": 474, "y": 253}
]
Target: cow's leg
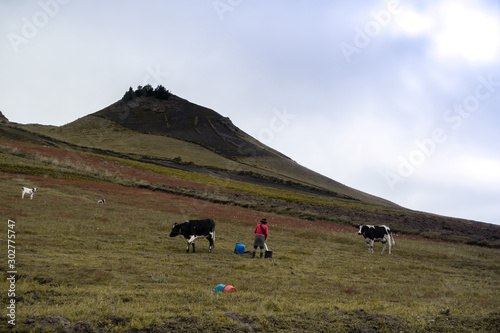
[
  {"x": 383, "y": 247},
  {"x": 211, "y": 238},
  {"x": 371, "y": 246},
  {"x": 191, "y": 242},
  {"x": 390, "y": 245}
]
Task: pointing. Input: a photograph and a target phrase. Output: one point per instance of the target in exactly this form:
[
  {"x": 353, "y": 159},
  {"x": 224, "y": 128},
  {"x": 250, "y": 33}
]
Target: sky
[{"x": 399, "y": 99}]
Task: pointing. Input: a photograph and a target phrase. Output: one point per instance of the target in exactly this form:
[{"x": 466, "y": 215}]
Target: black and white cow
[
  {"x": 377, "y": 234},
  {"x": 194, "y": 229}
]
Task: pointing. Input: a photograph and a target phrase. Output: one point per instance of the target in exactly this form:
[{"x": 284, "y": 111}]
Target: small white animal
[
  {"x": 102, "y": 201},
  {"x": 29, "y": 191}
]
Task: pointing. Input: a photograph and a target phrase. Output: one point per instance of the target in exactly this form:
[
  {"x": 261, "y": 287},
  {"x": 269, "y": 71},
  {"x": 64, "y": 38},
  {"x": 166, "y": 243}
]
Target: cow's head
[
  {"x": 176, "y": 230},
  {"x": 361, "y": 227}
]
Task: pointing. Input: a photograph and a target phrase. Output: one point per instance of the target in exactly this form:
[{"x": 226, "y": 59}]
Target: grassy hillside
[
  {"x": 190, "y": 136},
  {"x": 243, "y": 189},
  {"x": 97, "y": 133},
  {"x": 113, "y": 268},
  {"x": 102, "y": 134},
  {"x": 83, "y": 266}
]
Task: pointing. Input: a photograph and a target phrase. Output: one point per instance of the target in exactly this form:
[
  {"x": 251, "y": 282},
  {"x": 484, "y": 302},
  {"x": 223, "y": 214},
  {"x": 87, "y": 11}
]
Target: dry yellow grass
[{"x": 114, "y": 268}]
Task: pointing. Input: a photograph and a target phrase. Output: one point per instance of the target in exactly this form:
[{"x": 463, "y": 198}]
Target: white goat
[{"x": 29, "y": 191}]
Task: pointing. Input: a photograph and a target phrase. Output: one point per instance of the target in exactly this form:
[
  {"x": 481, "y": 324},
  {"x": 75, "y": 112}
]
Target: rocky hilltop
[{"x": 181, "y": 119}]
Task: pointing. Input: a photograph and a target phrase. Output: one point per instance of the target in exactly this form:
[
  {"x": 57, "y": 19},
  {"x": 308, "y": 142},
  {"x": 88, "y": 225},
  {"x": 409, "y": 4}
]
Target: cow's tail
[
  {"x": 213, "y": 223},
  {"x": 392, "y": 237}
]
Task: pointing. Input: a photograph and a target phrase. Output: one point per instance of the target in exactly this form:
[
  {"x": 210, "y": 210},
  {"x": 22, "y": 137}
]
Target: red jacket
[{"x": 258, "y": 230}]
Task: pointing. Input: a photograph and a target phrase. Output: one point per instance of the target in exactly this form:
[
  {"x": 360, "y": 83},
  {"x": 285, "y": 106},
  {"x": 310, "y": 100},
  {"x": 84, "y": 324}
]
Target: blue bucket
[
  {"x": 219, "y": 288},
  {"x": 239, "y": 248}
]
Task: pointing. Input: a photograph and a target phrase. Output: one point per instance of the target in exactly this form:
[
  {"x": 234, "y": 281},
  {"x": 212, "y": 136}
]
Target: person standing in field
[{"x": 261, "y": 233}]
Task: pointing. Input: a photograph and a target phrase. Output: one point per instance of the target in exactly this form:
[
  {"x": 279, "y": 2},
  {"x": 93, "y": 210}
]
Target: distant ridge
[{"x": 3, "y": 119}]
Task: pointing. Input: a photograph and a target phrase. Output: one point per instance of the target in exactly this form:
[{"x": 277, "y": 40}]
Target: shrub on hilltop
[{"x": 147, "y": 91}]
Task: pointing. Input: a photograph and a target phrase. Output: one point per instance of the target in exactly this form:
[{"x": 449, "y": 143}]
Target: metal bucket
[{"x": 268, "y": 254}]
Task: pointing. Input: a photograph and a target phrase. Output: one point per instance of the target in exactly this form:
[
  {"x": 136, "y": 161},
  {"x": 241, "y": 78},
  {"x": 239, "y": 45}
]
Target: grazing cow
[
  {"x": 102, "y": 201},
  {"x": 194, "y": 229},
  {"x": 29, "y": 191},
  {"x": 377, "y": 234}
]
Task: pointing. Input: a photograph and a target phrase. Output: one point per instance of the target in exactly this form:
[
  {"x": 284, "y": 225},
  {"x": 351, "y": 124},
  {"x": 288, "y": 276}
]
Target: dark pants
[{"x": 259, "y": 242}]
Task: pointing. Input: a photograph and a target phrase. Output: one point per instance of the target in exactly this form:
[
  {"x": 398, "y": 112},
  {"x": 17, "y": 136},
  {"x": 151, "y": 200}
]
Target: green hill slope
[{"x": 184, "y": 134}]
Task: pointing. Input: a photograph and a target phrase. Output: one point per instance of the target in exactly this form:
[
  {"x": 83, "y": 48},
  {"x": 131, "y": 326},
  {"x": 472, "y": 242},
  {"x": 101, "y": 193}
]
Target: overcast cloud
[{"x": 395, "y": 98}]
